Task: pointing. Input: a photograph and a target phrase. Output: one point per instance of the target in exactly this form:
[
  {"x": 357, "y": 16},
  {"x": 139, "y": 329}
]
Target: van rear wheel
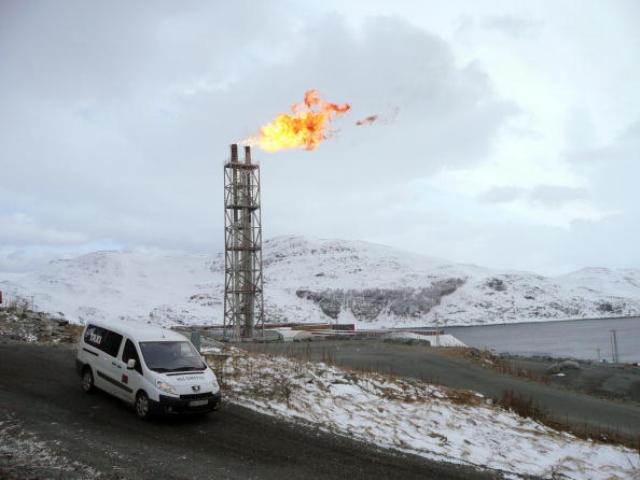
[
  {"x": 87, "y": 381},
  {"x": 142, "y": 405}
]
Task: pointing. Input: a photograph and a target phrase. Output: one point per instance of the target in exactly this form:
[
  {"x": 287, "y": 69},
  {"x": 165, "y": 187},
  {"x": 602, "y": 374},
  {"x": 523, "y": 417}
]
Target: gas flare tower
[{"x": 243, "y": 280}]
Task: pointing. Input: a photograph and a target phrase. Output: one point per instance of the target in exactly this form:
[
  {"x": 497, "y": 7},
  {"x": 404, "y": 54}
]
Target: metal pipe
[{"x": 234, "y": 153}]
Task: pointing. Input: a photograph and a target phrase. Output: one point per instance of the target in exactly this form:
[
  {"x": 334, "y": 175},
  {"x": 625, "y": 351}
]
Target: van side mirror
[{"x": 131, "y": 364}]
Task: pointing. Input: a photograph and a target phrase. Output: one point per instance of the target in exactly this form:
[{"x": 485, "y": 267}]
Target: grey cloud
[
  {"x": 116, "y": 121},
  {"x": 512, "y": 25},
  {"x": 21, "y": 229},
  {"x": 502, "y": 194},
  {"x": 611, "y": 156},
  {"x": 76, "y": 50},
  {"x": 580, "y": 127},
  {"x": 613, "y": 170},
  {"x": 545, "y": 195},
  {"x": 613, "y": 241},
  {"x": 556, "y": 195}
]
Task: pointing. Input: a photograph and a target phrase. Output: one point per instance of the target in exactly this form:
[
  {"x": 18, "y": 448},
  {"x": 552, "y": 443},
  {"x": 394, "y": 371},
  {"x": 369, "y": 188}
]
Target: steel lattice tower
[{"x": 243, "y": 280}]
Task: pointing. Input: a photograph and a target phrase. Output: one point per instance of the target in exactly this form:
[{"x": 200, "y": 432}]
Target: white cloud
[
  {"x": 552, "y": 196},
  {"x": 116, "y": 120},
  {"x": 21, "y": 229},
  {"x": 557, "y": 195},
  {"x": 128, "y": 155},
  {"x": 501, "y": 194},
  {"x": 512, "y": 25}
]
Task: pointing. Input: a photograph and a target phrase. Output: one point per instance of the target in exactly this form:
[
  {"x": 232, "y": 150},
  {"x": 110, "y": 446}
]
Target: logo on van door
[{"x": 195, "y": 388}]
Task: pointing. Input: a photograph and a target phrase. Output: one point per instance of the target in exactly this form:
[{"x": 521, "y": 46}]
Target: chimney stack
[
  {"x": 234, "y": 153},
  {"x": 243, "y": 299}
]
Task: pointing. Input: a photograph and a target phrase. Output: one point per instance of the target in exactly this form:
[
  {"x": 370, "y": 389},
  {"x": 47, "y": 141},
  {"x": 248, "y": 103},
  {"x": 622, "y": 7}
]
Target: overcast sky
[{"x": 510, "y": 131}]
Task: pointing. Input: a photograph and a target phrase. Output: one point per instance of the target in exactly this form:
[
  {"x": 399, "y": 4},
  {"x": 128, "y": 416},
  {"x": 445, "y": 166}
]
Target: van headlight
[
  {"x": 165, "y": 387},
  {"x": 215, "y": 385}
]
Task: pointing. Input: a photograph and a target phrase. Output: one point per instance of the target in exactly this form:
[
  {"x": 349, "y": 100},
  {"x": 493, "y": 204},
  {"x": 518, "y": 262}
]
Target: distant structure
[
  {"x": 615, "y": 358},
  {"x": 243, "y": 280}
]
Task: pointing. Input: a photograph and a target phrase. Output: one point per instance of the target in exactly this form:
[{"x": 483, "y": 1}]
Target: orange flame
[{"x": 306, "y": 127}]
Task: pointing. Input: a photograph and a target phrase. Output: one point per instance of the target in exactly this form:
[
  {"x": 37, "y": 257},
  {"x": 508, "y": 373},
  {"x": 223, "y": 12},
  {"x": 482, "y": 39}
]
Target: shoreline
[{"x": 537, "y": 322}]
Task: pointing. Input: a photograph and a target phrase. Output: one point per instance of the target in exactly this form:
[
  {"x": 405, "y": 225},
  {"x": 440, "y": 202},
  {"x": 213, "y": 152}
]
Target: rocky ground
[{"x": 22, "y": 324}]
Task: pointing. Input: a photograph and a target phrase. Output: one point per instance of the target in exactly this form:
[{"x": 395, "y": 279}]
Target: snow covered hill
[{"x": 310, "y": 280}]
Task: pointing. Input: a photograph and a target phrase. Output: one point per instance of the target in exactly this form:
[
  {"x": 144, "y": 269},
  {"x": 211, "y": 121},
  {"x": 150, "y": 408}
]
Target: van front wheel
[
  {"x": 142, "y": 405},
  {"x": 87, "y": 381}
]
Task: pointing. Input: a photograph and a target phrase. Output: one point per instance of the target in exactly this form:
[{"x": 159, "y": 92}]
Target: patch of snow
[
  {"x": 418, "y": 418},
  {"x": 291, "y": 335},
  {"x": 23, "y": 454},
  {"x": 370, "y": 285},
  {"x": 444, "y": 340},
  {"x": 447, "y": 340}
]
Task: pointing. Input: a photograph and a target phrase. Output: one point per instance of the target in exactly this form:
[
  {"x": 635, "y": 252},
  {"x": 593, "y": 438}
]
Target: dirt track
[{"x": 40, "y": 393}]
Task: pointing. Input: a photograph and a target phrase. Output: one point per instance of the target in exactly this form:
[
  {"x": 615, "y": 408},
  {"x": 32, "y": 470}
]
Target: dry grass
[
  {"x": 464, "y": 397},
  {"x": 510, "y": 400},
  {"x": 72, "y": 333},
  {"x": 302, "y": 358},
  {"x": 490, "y": 360},
  {"x": 328, "y": 357},
  {"x": 464, "y": 352},
  {"x": 15, "y": 305},
  {"x": 524, "y": 406},
  {"x": 280, "y": 389}
]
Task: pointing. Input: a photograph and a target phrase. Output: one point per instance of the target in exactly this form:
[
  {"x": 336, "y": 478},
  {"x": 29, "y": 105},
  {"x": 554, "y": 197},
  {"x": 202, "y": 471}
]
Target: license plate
[{"x": 198, "y": 403}]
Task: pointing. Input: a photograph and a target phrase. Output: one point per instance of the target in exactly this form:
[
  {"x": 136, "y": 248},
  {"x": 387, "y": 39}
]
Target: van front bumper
[{"x": 187, "y": 403}]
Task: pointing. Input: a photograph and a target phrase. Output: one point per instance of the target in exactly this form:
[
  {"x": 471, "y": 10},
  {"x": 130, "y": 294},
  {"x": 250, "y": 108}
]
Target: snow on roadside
[
  {"x": 23, "y": 455},
  {"x": 291, "y": 335},
  {"x": 444, "y": 340},
  {"x": 418, "y": 418},
  {"x": 447, "y": 340}
]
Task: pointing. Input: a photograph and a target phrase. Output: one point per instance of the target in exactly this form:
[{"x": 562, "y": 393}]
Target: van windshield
[{"x": 171, "y": 356}]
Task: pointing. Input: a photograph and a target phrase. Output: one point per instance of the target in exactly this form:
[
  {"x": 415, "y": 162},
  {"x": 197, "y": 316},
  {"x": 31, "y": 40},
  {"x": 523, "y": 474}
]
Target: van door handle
[{"x": 115, "y": 364}]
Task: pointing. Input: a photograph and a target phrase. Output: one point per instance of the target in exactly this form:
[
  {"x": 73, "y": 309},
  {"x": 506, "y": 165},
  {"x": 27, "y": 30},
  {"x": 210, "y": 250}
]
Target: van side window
[
  {"x": 111, "y": 345},
  {"x": 95, "y": 336},
  {"x": 129, "y": 352}
]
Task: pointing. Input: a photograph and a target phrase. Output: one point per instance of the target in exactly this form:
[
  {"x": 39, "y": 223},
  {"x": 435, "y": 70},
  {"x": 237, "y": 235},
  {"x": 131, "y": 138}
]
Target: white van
[{"x": 154, "y": 369}]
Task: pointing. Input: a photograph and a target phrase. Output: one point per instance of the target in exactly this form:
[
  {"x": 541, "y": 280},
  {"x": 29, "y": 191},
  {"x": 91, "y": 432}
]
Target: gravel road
[{"x": 100, "y": 437}]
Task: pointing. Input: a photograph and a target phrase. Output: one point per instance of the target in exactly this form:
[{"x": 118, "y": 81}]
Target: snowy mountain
[{"x": 310, "y": 280}]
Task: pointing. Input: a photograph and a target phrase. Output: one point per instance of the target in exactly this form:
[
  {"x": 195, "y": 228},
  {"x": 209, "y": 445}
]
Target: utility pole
[{"x": 614, "y": 346}]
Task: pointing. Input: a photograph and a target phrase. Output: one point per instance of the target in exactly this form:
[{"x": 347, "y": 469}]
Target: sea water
[{"x": 584, "y": 339}]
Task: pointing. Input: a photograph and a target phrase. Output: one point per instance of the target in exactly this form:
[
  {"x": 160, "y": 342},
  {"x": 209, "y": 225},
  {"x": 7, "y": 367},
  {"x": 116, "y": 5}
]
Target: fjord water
[{"x": 574, "y": 338}]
